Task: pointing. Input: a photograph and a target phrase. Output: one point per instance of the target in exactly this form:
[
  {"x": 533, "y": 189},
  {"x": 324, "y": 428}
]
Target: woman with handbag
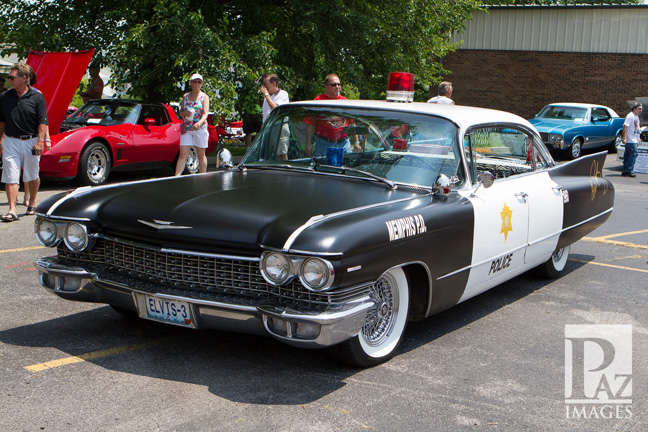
[{"x": 193, "y": 111}]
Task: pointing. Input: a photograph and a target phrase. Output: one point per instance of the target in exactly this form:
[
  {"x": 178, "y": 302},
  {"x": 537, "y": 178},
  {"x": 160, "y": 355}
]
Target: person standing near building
[
  {"x": 273, "y": 96},
  {"x": 444, "y": 94},
  {"x": 23, "y": 125},
  {"x": 631, "y": 139},
  {"x": 194, "y": 111},
  {"x": 95, "y": 87}
]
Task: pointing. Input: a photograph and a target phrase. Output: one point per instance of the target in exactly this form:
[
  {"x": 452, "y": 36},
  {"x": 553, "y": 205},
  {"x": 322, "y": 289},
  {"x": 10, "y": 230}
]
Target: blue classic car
[{"x": 570, "y": 127}]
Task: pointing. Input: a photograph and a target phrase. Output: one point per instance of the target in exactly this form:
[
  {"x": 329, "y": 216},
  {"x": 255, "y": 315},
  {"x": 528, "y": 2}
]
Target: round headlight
[
  {"x": 46, "y": 232},
  {"x": 76, "y": 236},
  {"x": 316, "y": 274},
  {"x": 275, "y": 268}
]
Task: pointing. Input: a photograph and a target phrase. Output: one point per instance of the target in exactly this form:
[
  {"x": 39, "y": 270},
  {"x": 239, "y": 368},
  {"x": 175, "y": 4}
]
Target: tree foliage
[
  {"x": 563, "y": 2},
  {"x": 155, "y": 45}
]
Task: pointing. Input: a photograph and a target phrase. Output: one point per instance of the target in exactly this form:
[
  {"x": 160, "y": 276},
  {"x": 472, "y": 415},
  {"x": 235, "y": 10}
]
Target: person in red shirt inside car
[{"x": 329, "y": 133}]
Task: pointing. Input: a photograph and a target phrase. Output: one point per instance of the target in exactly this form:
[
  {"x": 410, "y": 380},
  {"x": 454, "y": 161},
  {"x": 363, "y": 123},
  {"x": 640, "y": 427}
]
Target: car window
[
  {"x": 600, "y": 114},
  {"x": 157, "y": 113},
  {"x": 560, "y": 112},
  {"x": 105, "y": 113},
  {"x": 503, "y": 151},
  {"x": 396, "y": 146}
]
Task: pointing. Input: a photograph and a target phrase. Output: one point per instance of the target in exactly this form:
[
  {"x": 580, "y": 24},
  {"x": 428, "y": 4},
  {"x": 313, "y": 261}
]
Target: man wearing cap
[
  {"x": 631, "y": 139},
  {"x": 23, "y": 122}
]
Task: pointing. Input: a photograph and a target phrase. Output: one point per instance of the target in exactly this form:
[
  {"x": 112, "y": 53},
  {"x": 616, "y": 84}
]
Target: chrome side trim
[{"x": 528, "y": 244}]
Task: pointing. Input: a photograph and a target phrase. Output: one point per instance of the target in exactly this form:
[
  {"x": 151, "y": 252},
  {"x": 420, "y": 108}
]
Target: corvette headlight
[
  {"x": 316, "y": 274},
  {"x": 46, "y": 232},
  {"x": 76, "y": 236},
  {"x": 557, "y": 138},
  {"x": 275, "y": 268}
]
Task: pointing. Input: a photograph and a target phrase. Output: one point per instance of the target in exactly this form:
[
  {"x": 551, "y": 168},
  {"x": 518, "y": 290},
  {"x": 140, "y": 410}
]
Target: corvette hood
[
  {"x": 235, "y": 210},
  {"x": 58, "y": 76}
]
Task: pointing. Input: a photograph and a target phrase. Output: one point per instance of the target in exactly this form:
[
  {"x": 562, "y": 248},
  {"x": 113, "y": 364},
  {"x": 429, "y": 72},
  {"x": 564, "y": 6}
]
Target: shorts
[
  {"x": 17, "y": 153},
  {"x": 198, "y": 138}
]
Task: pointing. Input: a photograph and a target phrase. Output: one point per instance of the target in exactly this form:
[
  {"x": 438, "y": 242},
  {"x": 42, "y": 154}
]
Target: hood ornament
[{"x": 160, "y": 224}]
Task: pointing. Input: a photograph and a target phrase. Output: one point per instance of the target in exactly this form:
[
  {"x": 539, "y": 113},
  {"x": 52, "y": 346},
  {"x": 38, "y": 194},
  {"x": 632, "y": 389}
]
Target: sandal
[
  {"x": 30, "y": 211},
  {"x": 9, "y": 217}
]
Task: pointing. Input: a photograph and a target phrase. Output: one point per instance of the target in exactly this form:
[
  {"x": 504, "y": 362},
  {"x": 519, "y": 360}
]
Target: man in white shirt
[
  {"x": 631, "y": 139},
  {"x": 273, "y": 96},
  {"x": 444, "y": 94}
]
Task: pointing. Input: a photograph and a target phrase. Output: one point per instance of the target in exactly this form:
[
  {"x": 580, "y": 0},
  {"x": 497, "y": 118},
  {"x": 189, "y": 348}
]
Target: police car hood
[{"x": 242, "y": 210}]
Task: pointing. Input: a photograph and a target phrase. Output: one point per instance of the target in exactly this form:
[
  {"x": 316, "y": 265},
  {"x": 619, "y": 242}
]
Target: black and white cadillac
[{"x": 346, "y": 220}]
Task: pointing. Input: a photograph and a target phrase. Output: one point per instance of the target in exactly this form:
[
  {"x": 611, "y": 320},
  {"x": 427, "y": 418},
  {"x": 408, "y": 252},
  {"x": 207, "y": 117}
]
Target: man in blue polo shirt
[{"x": 23, "y": 122}]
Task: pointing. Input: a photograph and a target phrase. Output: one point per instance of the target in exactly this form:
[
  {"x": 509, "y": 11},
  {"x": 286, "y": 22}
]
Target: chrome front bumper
[{"x": 306, "y": 329}]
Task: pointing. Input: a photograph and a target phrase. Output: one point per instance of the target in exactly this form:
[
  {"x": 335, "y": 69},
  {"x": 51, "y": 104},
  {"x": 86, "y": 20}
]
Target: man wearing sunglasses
[
  {"x": 23, "y": 122},
  {"x": 328, "y": 134}
]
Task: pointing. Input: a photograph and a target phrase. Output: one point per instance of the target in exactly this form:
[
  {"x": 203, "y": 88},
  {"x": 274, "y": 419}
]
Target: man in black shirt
[{"x": 23, "y": 122}]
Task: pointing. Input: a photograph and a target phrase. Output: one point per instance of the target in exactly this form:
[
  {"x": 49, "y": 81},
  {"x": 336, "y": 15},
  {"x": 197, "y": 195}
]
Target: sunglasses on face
[
  {"x": 335, "y": 84},
  {"x": 11, "y": 77}
]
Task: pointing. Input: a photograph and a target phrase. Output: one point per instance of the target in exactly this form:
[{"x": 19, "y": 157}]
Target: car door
[
  {"x": 600, "y": 132},
  {"x": 157, "y": 139},
  {"x": 518, "y": 219}
]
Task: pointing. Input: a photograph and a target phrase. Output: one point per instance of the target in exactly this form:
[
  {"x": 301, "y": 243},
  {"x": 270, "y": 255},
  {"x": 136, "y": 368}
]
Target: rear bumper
[{"x": 303, "y": 328}]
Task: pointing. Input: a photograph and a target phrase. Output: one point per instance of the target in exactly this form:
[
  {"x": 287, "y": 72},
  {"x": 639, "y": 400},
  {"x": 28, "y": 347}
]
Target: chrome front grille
[{"x": 214, "y": 274}]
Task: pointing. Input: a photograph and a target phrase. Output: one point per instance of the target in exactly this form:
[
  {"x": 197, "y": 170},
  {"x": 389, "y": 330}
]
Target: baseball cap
[{"x": 196, "y": 76}]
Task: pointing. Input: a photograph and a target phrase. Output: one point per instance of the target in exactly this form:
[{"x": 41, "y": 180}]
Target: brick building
[{"x": 520, "y": 58}]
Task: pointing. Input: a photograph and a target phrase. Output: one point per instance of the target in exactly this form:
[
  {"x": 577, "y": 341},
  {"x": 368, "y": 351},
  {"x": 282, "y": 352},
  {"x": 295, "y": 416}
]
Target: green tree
[
  {"x": 153, "y": 46},
  {"x": 564, "y": 2}
]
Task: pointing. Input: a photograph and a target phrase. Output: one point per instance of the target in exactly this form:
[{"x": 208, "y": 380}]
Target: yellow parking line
[
  {"x": 622, "y": 234},
  {"x": 93, "y": 355},
  {"x": 615, "y": 242},
  {"x": 21, "y": 249},
  {"x": 608, "y": 265}
]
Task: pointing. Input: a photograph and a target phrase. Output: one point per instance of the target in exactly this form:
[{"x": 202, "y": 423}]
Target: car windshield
[
  {"x": 106, "y": 113},
  {"x": 378, "y": 145},
  {"x": 560, "y": 112}
]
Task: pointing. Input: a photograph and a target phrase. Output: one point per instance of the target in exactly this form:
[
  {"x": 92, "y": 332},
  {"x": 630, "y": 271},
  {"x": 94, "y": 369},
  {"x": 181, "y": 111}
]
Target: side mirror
[
  {"x": 485, "y": 179},
  {"x": 149, "y": 122},
  {"x": 442, "y": 186}
]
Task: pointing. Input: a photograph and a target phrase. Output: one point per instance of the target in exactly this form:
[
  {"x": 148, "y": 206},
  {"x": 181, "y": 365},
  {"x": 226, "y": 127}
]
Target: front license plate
[{"x": 170, "y": 311}]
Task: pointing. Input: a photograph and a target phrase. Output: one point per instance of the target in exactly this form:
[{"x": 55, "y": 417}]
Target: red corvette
[{"x": 115, "y": 135}]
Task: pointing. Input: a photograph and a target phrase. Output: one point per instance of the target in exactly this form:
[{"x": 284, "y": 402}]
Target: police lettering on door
[
  {"x": 405, "y": 227},
  {"x": 500, "y": 263}
]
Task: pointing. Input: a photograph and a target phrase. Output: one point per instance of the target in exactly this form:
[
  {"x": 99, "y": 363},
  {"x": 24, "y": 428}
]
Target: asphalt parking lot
[{"x": 496, "y": 362}]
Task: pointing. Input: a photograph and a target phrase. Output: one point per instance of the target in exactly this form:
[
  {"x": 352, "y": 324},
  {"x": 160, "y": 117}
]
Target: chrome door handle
[{"x": 522, "y": 195}]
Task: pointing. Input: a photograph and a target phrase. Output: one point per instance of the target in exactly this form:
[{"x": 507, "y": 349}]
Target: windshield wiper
[
  {"x": 273, "y": 166},
  {"x": 343, "y": 170}
]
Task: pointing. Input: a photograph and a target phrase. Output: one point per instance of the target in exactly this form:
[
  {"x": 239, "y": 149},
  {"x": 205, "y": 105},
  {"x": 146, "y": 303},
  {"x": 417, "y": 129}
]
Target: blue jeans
[
  {"x": 629, "y": 157},
  {"x": 321, "y": 144}
]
